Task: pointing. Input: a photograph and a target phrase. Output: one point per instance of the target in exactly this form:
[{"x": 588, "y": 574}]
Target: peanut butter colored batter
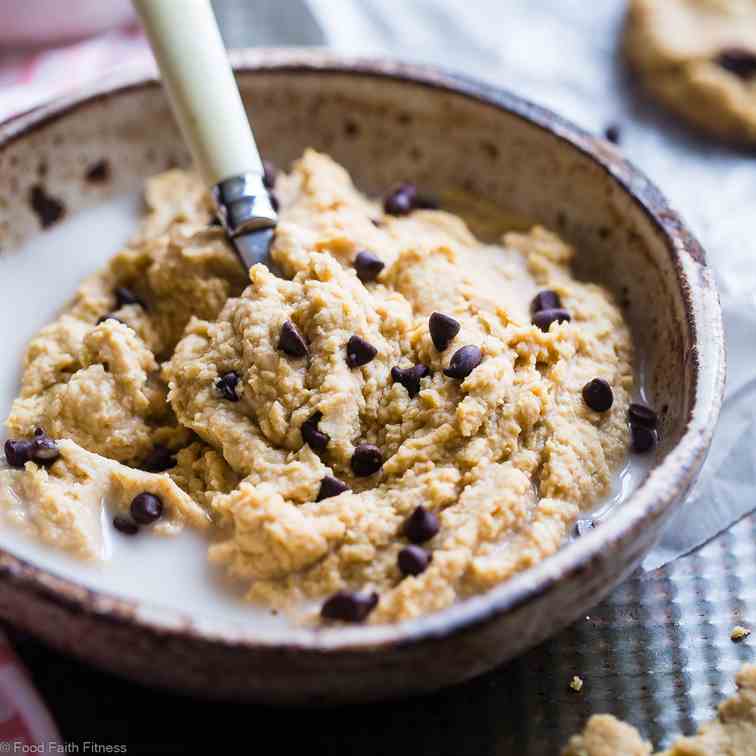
[{"x": 229, "y": 371}]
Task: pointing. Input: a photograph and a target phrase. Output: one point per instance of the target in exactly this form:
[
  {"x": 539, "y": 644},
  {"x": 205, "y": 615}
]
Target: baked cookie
[{"x": 699, "y": 58}]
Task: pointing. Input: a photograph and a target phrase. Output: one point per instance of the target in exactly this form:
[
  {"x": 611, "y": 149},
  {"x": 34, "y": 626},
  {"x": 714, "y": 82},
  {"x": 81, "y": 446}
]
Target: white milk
[{"x": 171, "y": 572}]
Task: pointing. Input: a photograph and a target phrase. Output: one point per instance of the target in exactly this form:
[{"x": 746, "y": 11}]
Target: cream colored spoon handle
[{"x": 188, "y": 47}]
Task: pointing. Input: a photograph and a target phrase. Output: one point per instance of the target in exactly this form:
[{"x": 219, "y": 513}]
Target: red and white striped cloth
[
  {"x": 24, "y": 718},
  {"x": 29, "y": 79}
]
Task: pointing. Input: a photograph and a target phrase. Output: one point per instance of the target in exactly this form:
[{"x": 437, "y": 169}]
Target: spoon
[{"x": 205, "y": 99}]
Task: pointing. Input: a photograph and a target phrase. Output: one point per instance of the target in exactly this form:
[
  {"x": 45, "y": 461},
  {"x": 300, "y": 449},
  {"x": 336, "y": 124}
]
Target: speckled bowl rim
[{"x": 656, "y": 497}]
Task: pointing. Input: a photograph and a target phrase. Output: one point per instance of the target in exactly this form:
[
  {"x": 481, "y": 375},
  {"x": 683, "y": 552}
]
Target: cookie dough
[
  {"x": 308, "y": 419},
  {"x": 732, "y": 733},
  {"x": 699, "y": 57}
]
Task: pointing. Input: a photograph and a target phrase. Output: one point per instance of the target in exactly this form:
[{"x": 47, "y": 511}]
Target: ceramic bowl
[{"x": 386, "y": 122}]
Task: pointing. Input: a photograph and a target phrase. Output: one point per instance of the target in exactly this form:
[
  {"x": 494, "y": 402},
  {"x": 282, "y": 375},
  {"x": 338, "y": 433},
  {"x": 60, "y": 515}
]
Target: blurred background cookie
[{"x": 699, "y": 58}]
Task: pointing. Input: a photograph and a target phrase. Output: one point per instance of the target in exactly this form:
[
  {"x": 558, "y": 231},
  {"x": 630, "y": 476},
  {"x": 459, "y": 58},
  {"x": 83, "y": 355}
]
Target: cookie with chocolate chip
[{"x": 698, "y": 57}]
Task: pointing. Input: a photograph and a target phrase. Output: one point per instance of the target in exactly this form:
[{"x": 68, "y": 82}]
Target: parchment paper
[{"x": 564, "y": 54}]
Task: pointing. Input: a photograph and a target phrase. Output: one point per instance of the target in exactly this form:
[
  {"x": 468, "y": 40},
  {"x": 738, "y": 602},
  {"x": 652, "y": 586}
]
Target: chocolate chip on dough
[
  {"x": 146, "y": 508},
  {"x": 359, "y": 352},
  {"x": 463, "y": 362},
  {"x": 313, "y": 437},
  {"x": 413, "y": 560},
  {"x": 291, "y": 342},
  {"x": 421, "y": 525},
  {"x": 347, "y": 606},
  {"x": 443, "y": 329}
]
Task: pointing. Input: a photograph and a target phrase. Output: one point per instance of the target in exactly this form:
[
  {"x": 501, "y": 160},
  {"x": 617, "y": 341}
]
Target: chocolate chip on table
[
  {"x": 643, "y": 439},
  {"x": 368, "y": 266},
  {"x": 291, "y": 341},
  {"x": 269, "y": 174},
  {"x": 125, "y": 525},
  {"x": 544, "y": 318},
  {"x": 545, "y": 300},
  {"x": 17, "y": 452},
  {"x": 463, "y": 362},
  {"x": 401, "y": 200},
  {"x": 640, "y": 414},
  {"x": 44, "y": 450},
  {"x": 410, "y": 377},
  {"x": 359, "y": 352},
  {"x": 146, "y": 508},
  {"x": 314, "y": 438},
  {"x": 347, "y": 606},
  {"x": 738, "y": 61},
  {"x": 125, "y": 296},
  {"x": 598, "y": 395},
  {"x": 159, "y": 460},
  {"x": 331, "y": 486},
  {"x": 413, "y": 560},
  {"x": 443, "y": 329},
  {"x": 421, "y": 525},
  {"x": 366, "y": 460},
  {"x": 613, "y": 133},
  {"x": 226, "y": 386}
]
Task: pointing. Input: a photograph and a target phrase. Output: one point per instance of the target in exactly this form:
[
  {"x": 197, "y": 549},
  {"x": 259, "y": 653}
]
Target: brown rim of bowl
[{"x": 666, "y": 482}]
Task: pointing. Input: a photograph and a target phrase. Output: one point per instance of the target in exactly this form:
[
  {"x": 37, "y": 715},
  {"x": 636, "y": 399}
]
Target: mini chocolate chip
[
  {"x": 314, "y": 438},
  {"x": 463, "y": 362},
  {"x": 598, "y": 395},
  {"x": 643, "y": 439},
  {"x": 401, "y": 200},
  {"x": 125, "y": 525},
  {"x": 368, "y": 266},
  {"x": 349, "y": 607},
  {"x": 98, "y": 172},
  {"x": 410, "y": 377},
  {"x": 640, "y": 414},
  {"x": 109, "y": 316},
  {"x": 44, "y": 450},
  {"x": 125, "y": 296},
  {"x": 146, "y": 508},
  {"x": 226, "y": 386},
  {"x": 359, "y": 352},
  {"x": 17, "y": 452},
  {"x": 366, "y": 460},
  {"x": 331, "y": 486},
  {"x": 159, "y": 460},
  {"x": 545, "y": 318},
  {"x": 613, "y": 133},
  {"x": 291, "y": 341},
  {"x": 269, "y": 174},
  {"x": 738, "y": 61},
  {"x": 47, "y": 208},
  {"x": 442, "y": 329},
  {"x": 413, "y": 560},
  {"x": 581, "y": 527},
  {"x": 421, "y": 525},
  {"x": 545, "y": 300}
]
